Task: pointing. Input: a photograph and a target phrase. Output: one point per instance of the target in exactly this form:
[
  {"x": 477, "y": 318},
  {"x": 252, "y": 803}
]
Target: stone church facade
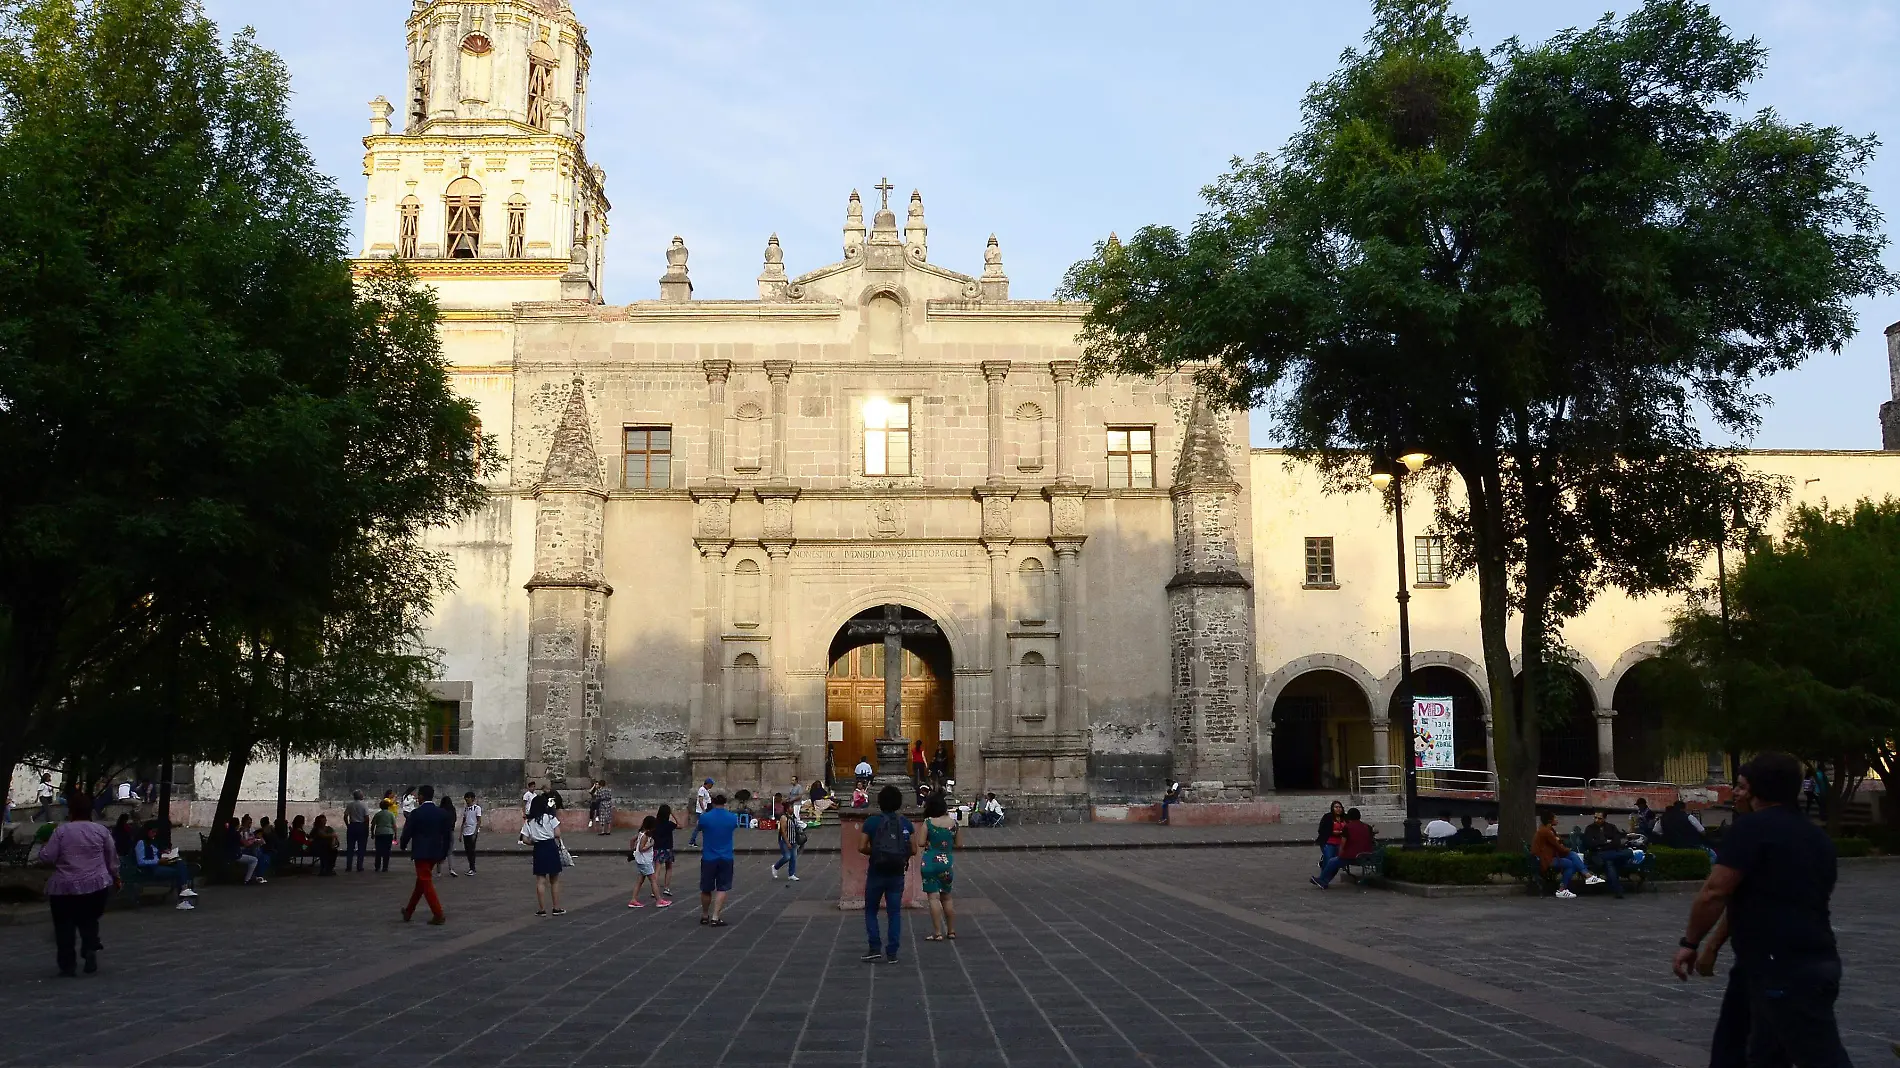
[{"x": 701, "y": 503}]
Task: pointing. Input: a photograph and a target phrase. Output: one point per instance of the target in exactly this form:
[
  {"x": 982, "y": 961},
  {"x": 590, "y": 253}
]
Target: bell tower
[{"x": 480, "y": 178}]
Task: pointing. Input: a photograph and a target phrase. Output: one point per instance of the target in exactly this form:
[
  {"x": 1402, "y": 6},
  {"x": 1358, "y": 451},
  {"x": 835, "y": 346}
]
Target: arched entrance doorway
[
  {"x": 1567, "y": 745},
  {"x": 1467, "y": 714},
  {"x": 854, "y": 692},
  {"x": 1322, "y": 730},
  {"x": 1637, "y": 731}
]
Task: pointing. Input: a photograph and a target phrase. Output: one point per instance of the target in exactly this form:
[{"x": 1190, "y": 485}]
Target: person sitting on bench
[
  {"x": 1605, "y": 842},
  {"x": 1553, "y": 855},
  {"x": 152, "y": 864},
  {"x": 1357, "y": 844}
]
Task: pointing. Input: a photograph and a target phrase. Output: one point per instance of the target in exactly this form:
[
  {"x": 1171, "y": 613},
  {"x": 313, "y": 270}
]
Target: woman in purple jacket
[{"x": 85, "y": 873}]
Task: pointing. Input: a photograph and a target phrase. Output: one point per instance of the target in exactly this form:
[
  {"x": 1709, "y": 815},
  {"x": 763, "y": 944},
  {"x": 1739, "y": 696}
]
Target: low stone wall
[{"x": 1192, "y": 814}]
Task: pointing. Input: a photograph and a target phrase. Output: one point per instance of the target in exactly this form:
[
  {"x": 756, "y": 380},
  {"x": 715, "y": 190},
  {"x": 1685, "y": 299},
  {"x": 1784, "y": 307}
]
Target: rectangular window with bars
[
  {"x": 647, "y": 461},
  {"x": 1319, "y": 564},
  {"x": 1131, "y": 457},
  {"x": 887, "y": 437},
  {"x": 1428, "y": 551},
  {"x": 442, "y": 730}
]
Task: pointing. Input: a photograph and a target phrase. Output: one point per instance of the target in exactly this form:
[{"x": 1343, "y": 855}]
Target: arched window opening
[
  {"x": 745, "y": 581},
  {"x": 1034, "y": 701},
  {"x": 884, "y": 318},
  {"x": 541, "y": 64},
  {"x": 747, "y": 690},
  {"x": 1029, "y": 438},
  {"x": 464, "y": 202},
  {"x": 517, "y": 226},
  {"x": 419, "y": 95},
  {"x": 1032, "y": 588},
  {"x": 411, "y": 228}
]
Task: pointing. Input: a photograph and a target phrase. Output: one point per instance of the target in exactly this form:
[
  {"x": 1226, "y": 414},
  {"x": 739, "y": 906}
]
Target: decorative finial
[
  {"x": 674, "y": 284},
  {"x": 994, "y": 282},
  {"x": 772, "y": 278},
  {"x": 853, "y": 227},
  {"x": 916, "y": 234}
]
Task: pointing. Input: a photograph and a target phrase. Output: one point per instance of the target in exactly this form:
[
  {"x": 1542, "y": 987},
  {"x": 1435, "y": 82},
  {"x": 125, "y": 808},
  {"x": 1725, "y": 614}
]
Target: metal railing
[{"x": 1558, "y": 789}]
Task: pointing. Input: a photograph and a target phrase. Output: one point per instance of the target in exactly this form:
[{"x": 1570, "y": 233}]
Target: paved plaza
[{"x": 1177, "y": 957}]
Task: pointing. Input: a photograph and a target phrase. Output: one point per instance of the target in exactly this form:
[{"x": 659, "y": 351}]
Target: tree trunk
[
  {"x": 233, "y": 782},
  {"x": 1836, "y": 796},
  {"x": 1517, "y": 784}
]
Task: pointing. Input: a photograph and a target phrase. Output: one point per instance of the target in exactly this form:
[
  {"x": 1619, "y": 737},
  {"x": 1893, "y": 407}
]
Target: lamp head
[
  {"x": 1381, "y": 479},
  {"x": 1384, "y": 471},
  {"x": 1415, "y": 459}
]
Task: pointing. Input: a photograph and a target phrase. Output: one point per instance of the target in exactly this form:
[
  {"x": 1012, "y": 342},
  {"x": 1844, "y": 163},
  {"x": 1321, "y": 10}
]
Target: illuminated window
[
  {"x": 1131, "y": 457},
  {"x": 887, "y": 437}
]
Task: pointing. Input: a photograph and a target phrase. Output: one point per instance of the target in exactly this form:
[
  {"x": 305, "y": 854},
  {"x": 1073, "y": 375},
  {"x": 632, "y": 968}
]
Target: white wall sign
[
  {"x": 834, "y": 730},
  {"x": 946, "y": 730},
  {"x": 1432, "y": 732}
]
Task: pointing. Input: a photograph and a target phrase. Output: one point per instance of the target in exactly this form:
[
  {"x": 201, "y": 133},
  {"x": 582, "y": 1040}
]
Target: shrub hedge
[
  {"x": 1853, "y": 847},
  {"x": 1680, "y": 863},
  {"x": 1439, "y": 866}
]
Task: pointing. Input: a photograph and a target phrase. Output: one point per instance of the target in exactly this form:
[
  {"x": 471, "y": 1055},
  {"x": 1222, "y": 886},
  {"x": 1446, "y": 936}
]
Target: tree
[
  {"x": 1549, "y": 267},
  {"x": 1809, "y": 662},
  {"x": 210, "y": 426}
]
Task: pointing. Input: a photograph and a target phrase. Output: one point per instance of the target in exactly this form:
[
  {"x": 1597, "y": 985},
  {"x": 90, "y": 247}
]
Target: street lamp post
[{"x": 1387, "y": 475}]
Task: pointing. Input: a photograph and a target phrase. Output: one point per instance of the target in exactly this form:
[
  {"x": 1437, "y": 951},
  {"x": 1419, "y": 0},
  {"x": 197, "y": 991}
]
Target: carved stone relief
[{"x": 885, "y": 519}]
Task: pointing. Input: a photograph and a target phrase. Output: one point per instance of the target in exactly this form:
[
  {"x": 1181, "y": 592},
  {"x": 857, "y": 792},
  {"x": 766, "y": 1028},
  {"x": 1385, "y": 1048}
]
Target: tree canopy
[
  {"x": 1555, "y": 267},
  {"x": 221, "y": 445},
  {"x": 1809, "y": 662}
]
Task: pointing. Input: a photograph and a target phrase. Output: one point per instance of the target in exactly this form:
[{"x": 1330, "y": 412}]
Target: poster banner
[{"x": 1431, "y": 733}]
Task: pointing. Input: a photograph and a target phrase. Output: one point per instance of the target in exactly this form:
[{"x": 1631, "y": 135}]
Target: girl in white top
[
  {"x": 542, "y": 830},
  {"x": 643, "y": 859}
]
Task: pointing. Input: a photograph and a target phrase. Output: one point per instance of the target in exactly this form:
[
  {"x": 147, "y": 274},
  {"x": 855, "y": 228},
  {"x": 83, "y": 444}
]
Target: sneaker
[
  {"x": 437, "y": 921},
  {"x": 890, "y": 958},
  {"x": 558, "y": 912},
  {"x": 261, "y": 882},
  {"x": 667, "y": 893},
  {"x": 453, "y": 874},
  {"x": 662, "y": 904},
  {"x": 774, "y": 873},
  {"x": 1315, "y": 881},
  {"x": 1593, "y": 880},
  {"x": 1565, "y": 894},
  {"x": 187, "y": 892},
  {"x": 635, "y": 905},
  {"x": 470, "y": 873},
  {"x": 873, "y": 957},
  {"x": 791, "y": 878},
  {"x": 186, "y": 906}
]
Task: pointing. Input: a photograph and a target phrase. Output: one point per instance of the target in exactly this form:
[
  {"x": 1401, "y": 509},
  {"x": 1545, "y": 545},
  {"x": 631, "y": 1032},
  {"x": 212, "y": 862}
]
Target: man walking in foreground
[
  {"x": 1775, "y": 874},
  {"x": 425, "y": 833},
  {"x": 889, "y": 841},
  {"x": 715, "y": 860}
]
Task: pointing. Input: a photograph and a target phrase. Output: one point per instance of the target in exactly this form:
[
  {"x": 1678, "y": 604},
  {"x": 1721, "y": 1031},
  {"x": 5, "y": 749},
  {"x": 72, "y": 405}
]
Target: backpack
[{"x": 890, "y": 846}]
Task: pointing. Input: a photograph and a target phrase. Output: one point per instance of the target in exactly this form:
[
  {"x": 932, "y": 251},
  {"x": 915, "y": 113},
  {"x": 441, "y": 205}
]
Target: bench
[
  {"x": 1367, "y": 866},
  {"x": 13, "y": 853},
  {"x": 136, "y": 881}
]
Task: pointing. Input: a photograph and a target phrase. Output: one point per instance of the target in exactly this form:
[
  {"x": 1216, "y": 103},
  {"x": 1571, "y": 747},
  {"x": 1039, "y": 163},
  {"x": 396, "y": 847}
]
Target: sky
[{"x": 1047, "y": 123}]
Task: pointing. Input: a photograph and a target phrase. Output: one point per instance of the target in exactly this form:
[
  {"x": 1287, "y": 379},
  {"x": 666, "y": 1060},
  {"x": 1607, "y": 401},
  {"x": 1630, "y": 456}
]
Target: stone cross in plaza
[{"x": 893, "y": 749}]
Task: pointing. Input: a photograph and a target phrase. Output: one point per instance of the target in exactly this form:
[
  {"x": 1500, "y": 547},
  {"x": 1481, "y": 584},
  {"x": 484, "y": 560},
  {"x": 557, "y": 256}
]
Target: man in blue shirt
[
  {"x": 715, "y": 860},
  {"x": 888, "y": 840}
]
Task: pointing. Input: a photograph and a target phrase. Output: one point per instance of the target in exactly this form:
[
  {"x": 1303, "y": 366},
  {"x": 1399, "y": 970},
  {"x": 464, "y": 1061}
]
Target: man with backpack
[{"x": 890, "y": 841}]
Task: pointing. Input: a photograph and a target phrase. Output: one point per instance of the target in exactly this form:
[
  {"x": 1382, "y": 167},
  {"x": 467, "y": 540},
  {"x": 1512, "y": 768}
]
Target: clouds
[{"x": 1049, "y": 124}]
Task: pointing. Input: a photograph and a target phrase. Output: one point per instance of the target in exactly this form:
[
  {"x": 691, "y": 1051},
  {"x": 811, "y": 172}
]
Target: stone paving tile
[{"x": 1069, "y": 965}]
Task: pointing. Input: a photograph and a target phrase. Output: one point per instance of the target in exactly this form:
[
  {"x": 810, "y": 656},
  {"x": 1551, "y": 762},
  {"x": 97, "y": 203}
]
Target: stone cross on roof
[{"x": 884, "y": 188}]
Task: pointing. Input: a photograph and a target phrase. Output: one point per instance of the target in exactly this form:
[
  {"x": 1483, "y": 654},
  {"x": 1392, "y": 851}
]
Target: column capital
[
  {"x": 778, "y": 370},
  {"x": 995, "y": 371},
  {"x": 1606, "y": 713},
  {"x": 1066, "y": 547},
  {"x": 712, "y": 548},
  {"x": 778, "y": 550},
  {"x": 997, "y": 547},
  {"x": 1063, "y": 371},
  {"x": 716, "y": 370}
]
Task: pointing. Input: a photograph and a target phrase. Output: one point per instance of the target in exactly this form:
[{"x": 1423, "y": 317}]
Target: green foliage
[
  {"x": 1810, "y": 661},
  {"x": 1853, "y": 847},
  {"x": 1542, "y": 266},
  {"x": 223, "y": 451},
  {"x": 1670, "y": 863},
  {"x": 1440, "y": 866}
]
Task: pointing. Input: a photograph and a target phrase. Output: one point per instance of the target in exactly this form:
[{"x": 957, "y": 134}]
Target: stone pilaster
[
  {"x": 717, "y": 371},
  {"x": 567, "y": 606},
  {"x": 1210, "y": 606},
  {"x": 995, "y": 372},
  {"x": 776, "y": 534},
  {"x": 1067, "y": 532},
  {"x": 1063, "y": 371},
  {"x": 779, "y": 373},
  {"x": 712, "y": 536}
]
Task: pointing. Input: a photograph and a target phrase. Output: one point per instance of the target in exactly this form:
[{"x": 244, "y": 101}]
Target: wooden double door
[{"x": 854, "y": 699}]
